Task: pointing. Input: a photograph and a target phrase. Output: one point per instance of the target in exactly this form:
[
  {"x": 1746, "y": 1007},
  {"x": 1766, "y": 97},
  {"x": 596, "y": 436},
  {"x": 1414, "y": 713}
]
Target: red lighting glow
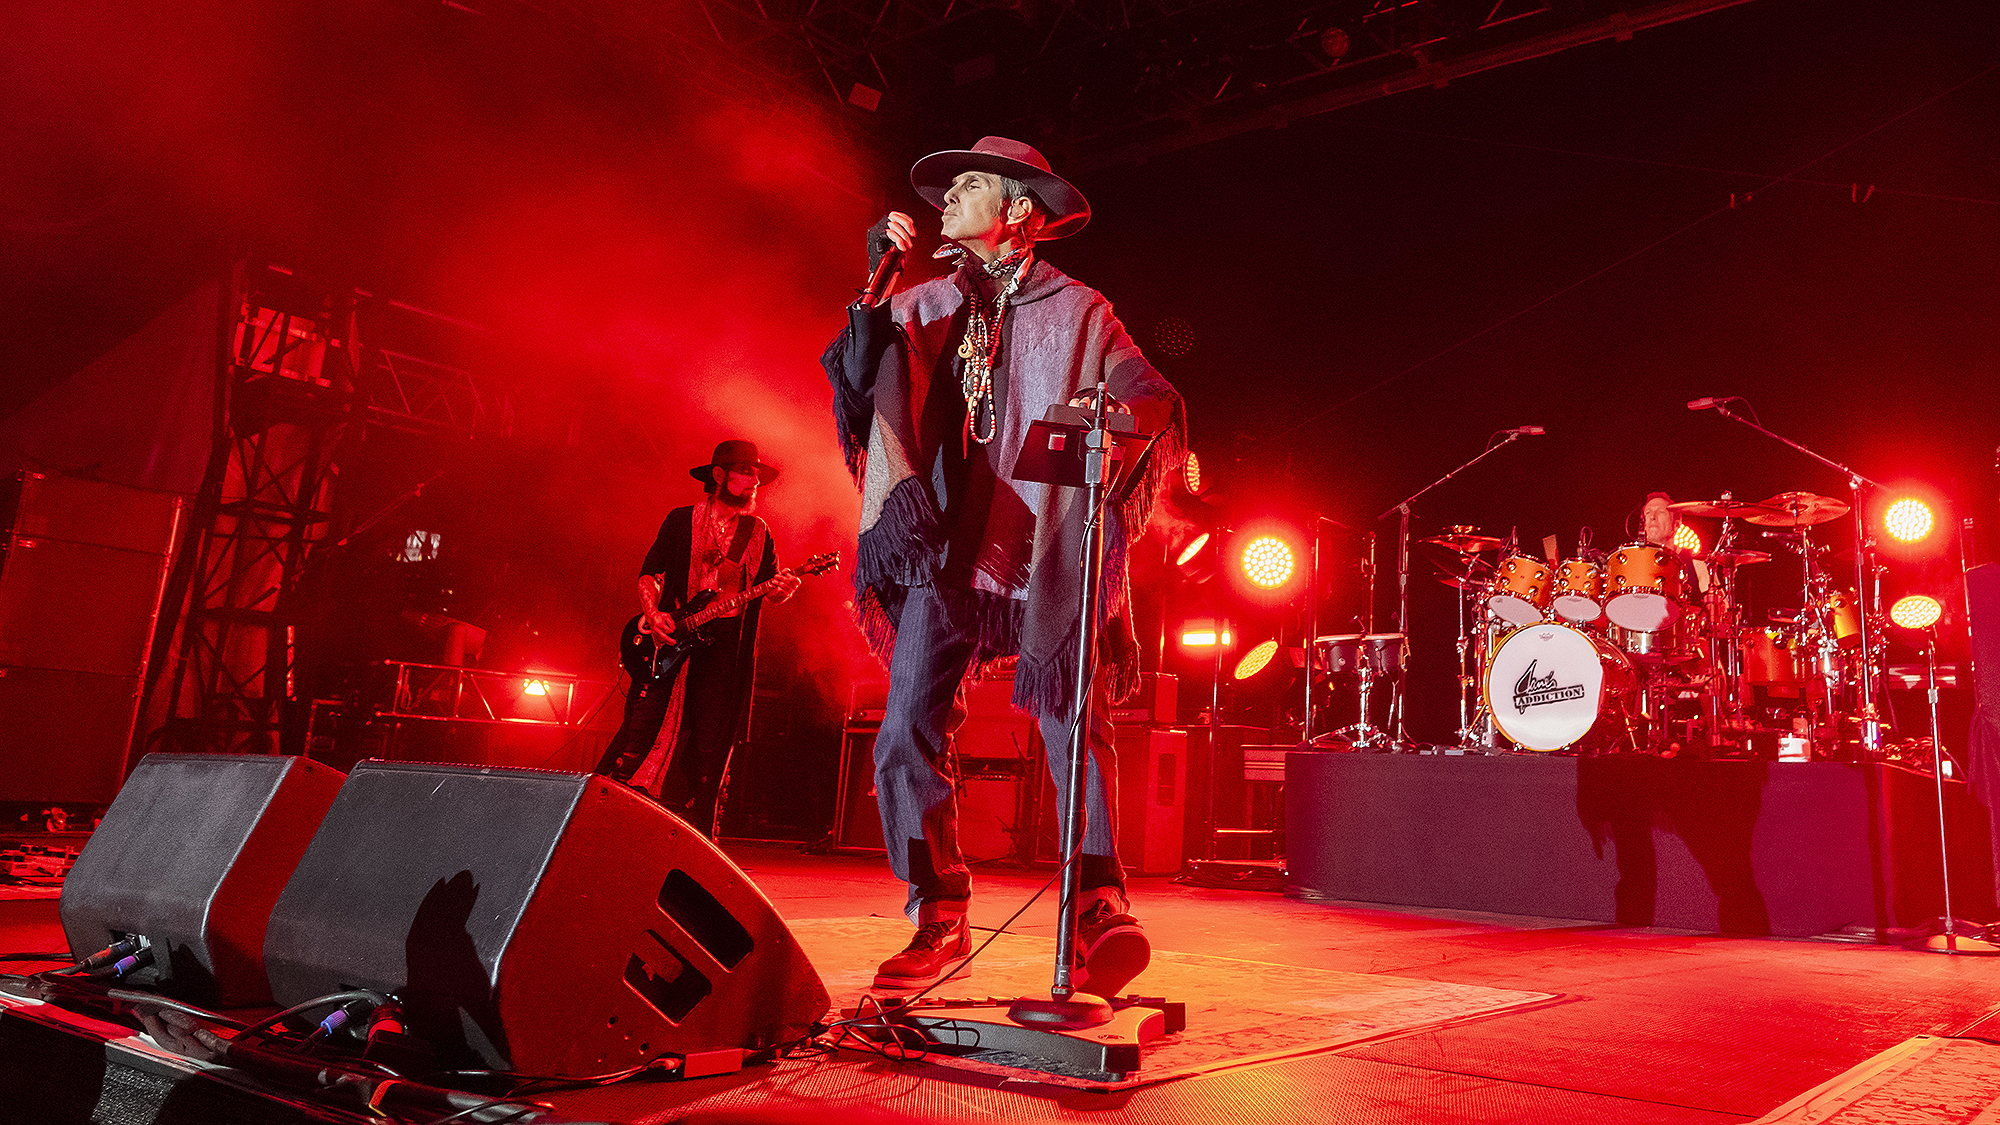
[
  {"x": 1908, "y": 520},
  {"x": 1192, "y": 549},
  {"x": 535, "y": 687},
  {"x": 1191, "y": 474},
  {"x": 1268, "y": 561},
  {"x": 1916, "y": 612},
  {"x": 1254, "y": 661},
  {"x": 1202, "y": 633},
  {"x": 1687, "y": 540}
]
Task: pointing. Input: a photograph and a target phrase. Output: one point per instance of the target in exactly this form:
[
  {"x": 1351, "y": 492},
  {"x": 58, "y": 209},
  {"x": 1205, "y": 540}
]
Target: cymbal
[
  {"x": 1720, "y": 509},
  {"x": 1464, "y": 544},
  {"x": 1462, "y": 582},
  {"x": 1737, "y": 556},
  {"x": 1800, "y": 509}
]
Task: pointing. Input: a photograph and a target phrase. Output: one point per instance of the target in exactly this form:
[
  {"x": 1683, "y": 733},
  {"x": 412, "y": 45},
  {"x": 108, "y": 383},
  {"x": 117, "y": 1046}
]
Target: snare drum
[
  {"x": 1663, "y": 643},
  {"x": 1519, "y": 593},
  {"x": 1642, "y": 584},
  {"x": 1549, "y": 685},
  {"x": 1578, "y": 586}
]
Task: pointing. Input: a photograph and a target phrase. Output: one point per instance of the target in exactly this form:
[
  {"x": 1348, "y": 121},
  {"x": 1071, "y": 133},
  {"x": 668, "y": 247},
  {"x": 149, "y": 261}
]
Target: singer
[{"x": 958, "y": 563}]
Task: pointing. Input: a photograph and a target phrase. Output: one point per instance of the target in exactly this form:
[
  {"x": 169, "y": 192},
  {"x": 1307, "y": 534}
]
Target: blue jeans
[{"x": 915, "y": 773}]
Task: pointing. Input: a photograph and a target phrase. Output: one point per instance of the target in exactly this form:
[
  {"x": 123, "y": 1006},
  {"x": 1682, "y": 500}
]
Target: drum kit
[{"x": 1648, "y": 648}]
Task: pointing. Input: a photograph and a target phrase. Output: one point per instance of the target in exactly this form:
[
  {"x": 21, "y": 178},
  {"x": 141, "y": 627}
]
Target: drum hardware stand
[
  {"x": 1871, "y": 723},
  {"x": 1068, "y": 1022},
  {"x": 1312, "y": 610},
  {"x": 1403, "y": 506}
]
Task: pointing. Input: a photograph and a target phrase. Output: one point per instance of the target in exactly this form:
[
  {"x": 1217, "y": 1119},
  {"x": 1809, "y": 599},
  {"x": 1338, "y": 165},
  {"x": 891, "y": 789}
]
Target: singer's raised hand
[{"x": 894, "y": 230}]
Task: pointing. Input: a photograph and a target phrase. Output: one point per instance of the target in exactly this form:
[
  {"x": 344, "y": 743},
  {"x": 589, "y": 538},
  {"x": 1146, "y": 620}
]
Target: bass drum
[{"x": 1550, "y": 686}]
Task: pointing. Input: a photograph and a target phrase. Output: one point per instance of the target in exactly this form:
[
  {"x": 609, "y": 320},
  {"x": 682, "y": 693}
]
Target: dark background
[{"x": 1797, "y": 203}]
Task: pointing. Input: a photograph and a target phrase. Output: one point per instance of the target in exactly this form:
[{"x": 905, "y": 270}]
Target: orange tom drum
[
  {"x": 1642, "y": 584},
  {"x": 1520, "y": 590},
  {"x": 1579, "y": 584}
]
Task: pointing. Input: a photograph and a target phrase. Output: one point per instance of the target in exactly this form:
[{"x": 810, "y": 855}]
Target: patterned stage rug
[
  {"x": 1927, "y": 1080},
  {"x": 1238, "y": 1012}
]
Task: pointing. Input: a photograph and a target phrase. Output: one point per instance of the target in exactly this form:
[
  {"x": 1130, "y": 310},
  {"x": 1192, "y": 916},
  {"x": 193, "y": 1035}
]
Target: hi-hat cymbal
[
  {"x": 1720, "y": 509},
  {"x": 1800, "y": 509},
  {"x": 1463, "y": 543},
  {"x": 1737, "y": 556}
]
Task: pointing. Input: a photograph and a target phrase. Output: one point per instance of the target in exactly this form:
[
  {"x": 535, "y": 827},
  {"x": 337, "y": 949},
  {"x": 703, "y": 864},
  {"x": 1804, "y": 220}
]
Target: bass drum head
[{"x": 1545, "y": 686}]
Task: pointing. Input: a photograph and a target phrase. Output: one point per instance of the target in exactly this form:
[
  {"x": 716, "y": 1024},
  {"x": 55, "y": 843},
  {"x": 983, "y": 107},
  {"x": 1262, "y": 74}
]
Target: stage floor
[{"x": 1641, "y": 1025}]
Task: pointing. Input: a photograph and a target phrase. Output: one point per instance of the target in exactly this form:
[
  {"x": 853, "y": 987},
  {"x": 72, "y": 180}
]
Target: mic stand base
[
  {"x": 1081, "y": 1010},
  {"x": 1955, "y": 941},
  {"x": 1040, "y": 1033}
]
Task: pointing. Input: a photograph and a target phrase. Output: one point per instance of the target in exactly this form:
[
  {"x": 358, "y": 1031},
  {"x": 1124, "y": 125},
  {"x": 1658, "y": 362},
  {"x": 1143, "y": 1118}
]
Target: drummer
[{"x": 1659, "y": 522}]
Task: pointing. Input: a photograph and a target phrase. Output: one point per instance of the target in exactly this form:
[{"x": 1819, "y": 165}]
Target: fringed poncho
[{"x": 938, "y": 510}]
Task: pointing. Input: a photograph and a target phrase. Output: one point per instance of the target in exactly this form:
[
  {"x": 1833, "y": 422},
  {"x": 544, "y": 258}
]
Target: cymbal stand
[
  {"x": 1474, "y": 725},
  {"x": 1403, "y": 567},
  {"x": 1871, "y": 719}
]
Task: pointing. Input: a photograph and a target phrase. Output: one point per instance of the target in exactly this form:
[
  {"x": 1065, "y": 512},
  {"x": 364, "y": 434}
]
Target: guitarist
[{"x": 679, "y": 731}]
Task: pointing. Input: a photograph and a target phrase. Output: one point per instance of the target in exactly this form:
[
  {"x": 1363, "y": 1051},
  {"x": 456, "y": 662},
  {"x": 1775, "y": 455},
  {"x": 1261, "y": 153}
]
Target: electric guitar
[{"x": 648, "y": 659}]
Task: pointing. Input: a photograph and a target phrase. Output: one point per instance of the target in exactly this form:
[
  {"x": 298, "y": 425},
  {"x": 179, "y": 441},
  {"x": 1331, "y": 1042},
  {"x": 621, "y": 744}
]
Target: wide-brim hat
[
  {"x": 1067, "y": 208},
  {"x": 735, "y": 455}
]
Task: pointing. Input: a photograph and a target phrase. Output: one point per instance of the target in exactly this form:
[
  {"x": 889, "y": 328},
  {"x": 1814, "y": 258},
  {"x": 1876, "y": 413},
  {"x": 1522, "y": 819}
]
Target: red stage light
[
  {"x": 1916, "y": 612},
  {"x": 535, "y": 687},
  {"x": 1254, "y": 661},
  {"x": 1193, "y": 548},
  {"x": 1268, "y": 562},
  {"x": 1202, "y": 632},
  {"x": 1908, "y": 520},
  {"x": 1686, "y": 539},
  {"x": 1191, "y": 474}
]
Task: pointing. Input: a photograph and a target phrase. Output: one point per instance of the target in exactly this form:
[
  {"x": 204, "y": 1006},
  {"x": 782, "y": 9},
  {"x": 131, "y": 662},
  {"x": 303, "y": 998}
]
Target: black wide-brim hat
[
  {"x": 1067, "y": 208},
  {"x": 735, "y": 455}
]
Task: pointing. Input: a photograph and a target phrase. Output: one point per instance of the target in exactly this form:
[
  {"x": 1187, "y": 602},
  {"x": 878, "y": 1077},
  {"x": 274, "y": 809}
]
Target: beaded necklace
[{"x": 982, "y": 344}]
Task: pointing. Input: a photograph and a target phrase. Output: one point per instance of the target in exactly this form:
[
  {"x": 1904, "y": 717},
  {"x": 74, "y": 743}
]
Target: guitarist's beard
[{"x": 742, "y": 505}]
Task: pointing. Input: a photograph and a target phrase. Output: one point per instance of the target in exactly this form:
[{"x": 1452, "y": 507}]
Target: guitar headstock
[{"x": 818, "y": 564}]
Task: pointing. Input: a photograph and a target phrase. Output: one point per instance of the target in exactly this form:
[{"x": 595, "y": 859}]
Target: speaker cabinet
[
  {"x": 1152, "y": 799},
  {"x": 81, "y": 573},
  {"x": 191, "y": 856},
  {"x": 552, "y": 923}
]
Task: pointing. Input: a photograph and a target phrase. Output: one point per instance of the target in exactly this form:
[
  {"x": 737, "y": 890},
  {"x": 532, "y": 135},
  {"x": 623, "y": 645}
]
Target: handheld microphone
[
  {"x": 1709, "y": 403},
  {"x": 1529, "y": 430},
  {"x": 884, "y": 276}
]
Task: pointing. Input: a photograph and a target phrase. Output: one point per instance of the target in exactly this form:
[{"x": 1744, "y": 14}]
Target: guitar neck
[{"x": 729, "y": 605}]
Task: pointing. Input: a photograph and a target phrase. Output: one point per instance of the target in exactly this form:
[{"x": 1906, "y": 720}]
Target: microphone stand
[
  {"x": 1402, "y": 737},
  {"x": 1070, "y": 1027},
  {"x": 1871, "y": 720}
]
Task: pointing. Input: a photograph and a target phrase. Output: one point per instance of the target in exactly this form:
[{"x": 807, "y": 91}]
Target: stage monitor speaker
[
  {"x": 191, "y": 856},
  {"x": 535, "y": 921}
]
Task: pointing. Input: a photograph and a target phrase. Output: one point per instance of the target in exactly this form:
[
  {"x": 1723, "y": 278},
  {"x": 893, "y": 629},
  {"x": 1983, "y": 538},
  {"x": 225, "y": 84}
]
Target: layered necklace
[{"x": 982, "y": 344}]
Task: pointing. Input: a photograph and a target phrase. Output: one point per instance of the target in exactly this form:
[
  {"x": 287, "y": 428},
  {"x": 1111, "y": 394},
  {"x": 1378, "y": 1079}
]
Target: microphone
[
  {"x": 1708, "y": 403},
  {"x": 1529, "y": 430},
  {"x": 884, "y": 276}
]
